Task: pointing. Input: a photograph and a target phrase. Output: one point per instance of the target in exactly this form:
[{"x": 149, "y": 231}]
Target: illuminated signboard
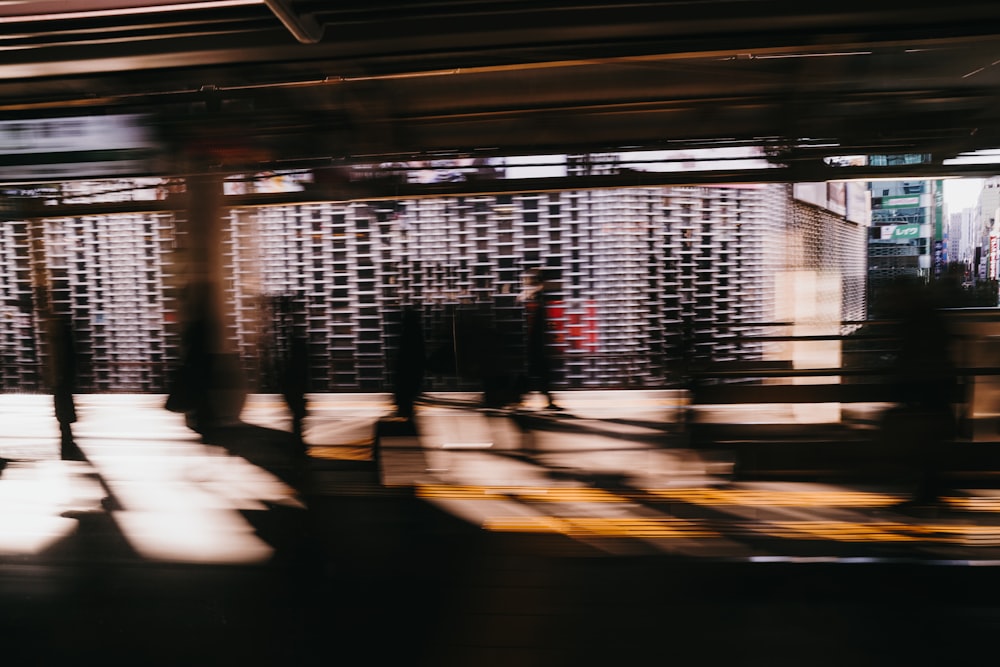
[
  {"x": 906, "y": 231},
  {"x": 904, "y": 201},
  {"x": 78, "y": 147}
]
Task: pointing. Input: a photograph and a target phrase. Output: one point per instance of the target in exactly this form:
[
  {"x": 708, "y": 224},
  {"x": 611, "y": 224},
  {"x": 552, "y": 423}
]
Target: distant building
[
  {"x": 989, "y": 228},
  {"x": 908, "y": 236}
]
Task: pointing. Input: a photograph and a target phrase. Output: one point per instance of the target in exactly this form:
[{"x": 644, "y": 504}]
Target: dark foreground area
[{"x": 418, "y": 594}]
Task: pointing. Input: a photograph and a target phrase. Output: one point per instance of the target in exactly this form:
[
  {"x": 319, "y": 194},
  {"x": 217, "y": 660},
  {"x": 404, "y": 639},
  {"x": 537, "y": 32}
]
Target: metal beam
[
  {"x": 386, "y": 189},
  {"x": 303, "y": 27}
]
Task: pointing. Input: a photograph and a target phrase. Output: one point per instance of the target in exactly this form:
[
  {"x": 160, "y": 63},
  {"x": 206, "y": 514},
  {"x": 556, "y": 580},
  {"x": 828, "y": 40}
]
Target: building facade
[{"x": 645, "y": 278}]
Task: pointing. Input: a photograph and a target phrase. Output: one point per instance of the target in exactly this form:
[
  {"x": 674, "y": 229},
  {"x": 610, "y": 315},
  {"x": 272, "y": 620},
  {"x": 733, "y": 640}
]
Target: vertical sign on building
[
  {"x": 994, "y": 250},
  {"x": 939, "y": 257}
]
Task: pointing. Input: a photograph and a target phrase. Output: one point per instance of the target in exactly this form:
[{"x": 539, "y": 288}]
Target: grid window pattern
[
  {"x": 646, "y": 280},
  {"x": 107, "y": 275},
  {"x": 636, "y": 268}
]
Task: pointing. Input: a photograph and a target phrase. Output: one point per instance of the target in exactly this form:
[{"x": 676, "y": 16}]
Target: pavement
[{"x": 592, "y": 535}]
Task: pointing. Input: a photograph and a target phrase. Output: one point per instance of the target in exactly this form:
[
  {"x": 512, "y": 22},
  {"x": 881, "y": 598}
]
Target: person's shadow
[{"x": 279, "y": 452}]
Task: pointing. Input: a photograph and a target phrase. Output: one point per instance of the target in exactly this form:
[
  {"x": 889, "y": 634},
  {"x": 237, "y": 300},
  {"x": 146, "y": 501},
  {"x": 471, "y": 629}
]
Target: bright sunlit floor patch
[
  {"x": 34, "y": 495},
  {"x": 186, "y": 507},
  {"x": 173, "y": 497},
  {"x": 216, "y": 537},
  {"x": 178, "y": 499},
  {"x": 29, "y": 534}
]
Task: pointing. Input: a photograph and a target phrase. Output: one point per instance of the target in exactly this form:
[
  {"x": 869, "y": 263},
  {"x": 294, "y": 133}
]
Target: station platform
[
  {"x": 589, "y": 535},
  {"x": 615, "y": 473}
]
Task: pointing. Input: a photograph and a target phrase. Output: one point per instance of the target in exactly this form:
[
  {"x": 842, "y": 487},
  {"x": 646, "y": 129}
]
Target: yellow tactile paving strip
[
  {"x": 877, "y": 530},
  {"x": 694, "y": 495},
  {"x": 664, "y": 527},
  {"x": 758, "y": 498},
  {"x": 885, "y": 531},
  {"x": 353, "y": 452},
  {"x": 602, "y": 527},
  {"x": 974, "y": 504},
  {"x": 698, "y": 496}
]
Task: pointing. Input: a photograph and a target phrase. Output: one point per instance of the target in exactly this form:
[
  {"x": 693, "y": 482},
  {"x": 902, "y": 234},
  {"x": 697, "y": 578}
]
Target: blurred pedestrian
[
  {"x": 540, "y": 343},
  {"x": 293, "y": 359},
  {"x": 924, "y": 381},
  {"x": 408, "y": 374},
  {"x": 193, "y": 379},
  {"x": 63, "y": 368}
]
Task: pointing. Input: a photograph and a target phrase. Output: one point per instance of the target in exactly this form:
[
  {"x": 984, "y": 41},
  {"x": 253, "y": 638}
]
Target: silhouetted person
[
  {"x": 63, "y": 370},
  {"x": 293, "y": 366},
  {"x": 408, "y": 376},
  {"x": 688, "y": 371},
  {"x": 193, "y": 380},
  {"x": 474, "y": 350},
  {"x": 924, "y": 386},
  {"x": 541, "y": 361}
]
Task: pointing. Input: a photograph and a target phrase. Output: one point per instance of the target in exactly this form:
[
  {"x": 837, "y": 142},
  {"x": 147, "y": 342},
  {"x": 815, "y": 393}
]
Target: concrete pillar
[{"x": 208, "y": 317}]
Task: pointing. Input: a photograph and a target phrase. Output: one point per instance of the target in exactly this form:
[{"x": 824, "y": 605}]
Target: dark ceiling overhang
[{"x": 300, "y": 82}]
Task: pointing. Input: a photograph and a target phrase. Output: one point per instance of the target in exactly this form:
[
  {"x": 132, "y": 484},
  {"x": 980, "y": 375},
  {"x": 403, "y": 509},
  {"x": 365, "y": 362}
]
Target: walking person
[
  {"x": 63, "y": 362},
  {"x": 293, "y": 365},
  {"x": 408, "y": 375},
  {"x": 923, "y": 422},
  {"x": 540, "y": 348}
]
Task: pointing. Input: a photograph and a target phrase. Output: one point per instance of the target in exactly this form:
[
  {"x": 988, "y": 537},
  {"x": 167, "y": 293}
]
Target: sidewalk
[{"x": 627, "y": 485}]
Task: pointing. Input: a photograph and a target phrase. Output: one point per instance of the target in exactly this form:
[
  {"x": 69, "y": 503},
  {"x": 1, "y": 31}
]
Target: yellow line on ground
[
  {"x": 524, "y": 493},
  {"x": 841, "y": 531},
  {"x": 601, "y": 527},
  {"x": 697, "y": 495},
  {"x": 882, "y": 531},
  {"x": 974, "y": 504},
  {"x": 668, "y": 527},
  {"x": 341, "y": 452},
  {"x": 322, "y": 405},
  {"x": 710, "y": 496}
]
